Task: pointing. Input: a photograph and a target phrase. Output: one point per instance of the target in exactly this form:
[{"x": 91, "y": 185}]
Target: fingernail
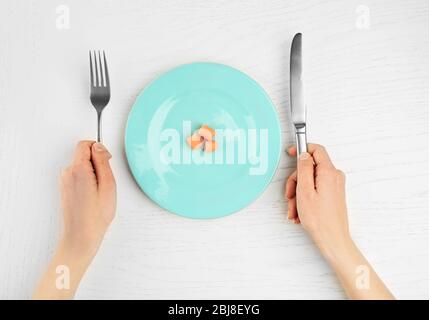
[
  {"x": 288, "y": 214},
  {"x": 99, "y": 147},
  {"x": 304, "y": 156}
]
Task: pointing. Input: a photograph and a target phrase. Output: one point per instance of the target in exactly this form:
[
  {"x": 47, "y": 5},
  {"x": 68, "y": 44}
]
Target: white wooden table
[{"x": 368, "y": 100}]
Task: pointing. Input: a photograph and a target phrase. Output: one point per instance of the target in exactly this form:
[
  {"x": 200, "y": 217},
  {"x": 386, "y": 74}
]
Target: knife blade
[{"x": 297, "y": 102}]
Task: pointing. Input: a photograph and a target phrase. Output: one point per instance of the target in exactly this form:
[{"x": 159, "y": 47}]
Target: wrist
[
  {"x": 338, "y": 249},
  {"x": 82, "y": 252},
  {"x": 67, "y": 267}
]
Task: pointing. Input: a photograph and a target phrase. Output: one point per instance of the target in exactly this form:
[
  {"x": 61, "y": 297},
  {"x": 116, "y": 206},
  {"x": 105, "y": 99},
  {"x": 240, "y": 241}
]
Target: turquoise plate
[{"x": 194, "y": 183}]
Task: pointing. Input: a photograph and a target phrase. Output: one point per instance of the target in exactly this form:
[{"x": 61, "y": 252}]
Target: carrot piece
[
  {"x": 210, "y": 146},
  {"x": 206, "y": 132},
  {"x": 195, "y": 141}
]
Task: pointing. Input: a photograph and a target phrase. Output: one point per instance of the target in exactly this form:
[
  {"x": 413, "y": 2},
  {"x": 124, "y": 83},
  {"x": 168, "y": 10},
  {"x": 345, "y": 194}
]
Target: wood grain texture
[{"x": 368, "y": 100}]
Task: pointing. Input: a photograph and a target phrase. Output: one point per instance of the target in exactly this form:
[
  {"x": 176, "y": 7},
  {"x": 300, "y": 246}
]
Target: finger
[
  {"x": 319, "y": 154},
  {"x": 292, "y": 212},
  {"x": 65, "y": 177},
  {"x": 82, "y": 152},
  {"x": 317, "y": 151},
  {"x": 305, "y": 175},
  {"x": 100, "y": 159},
  {"x": 292, "y": 151},
  {"x": 291, "y": 186}
]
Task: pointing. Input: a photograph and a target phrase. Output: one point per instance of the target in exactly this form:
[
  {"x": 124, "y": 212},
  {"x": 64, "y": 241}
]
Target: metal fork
[{"x": 100, "y": 86}]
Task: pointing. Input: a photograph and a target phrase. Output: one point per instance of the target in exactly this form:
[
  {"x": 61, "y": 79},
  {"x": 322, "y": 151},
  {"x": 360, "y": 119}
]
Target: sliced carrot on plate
[
  {"x": 195, "y": 141},
  {"x": 203, "y": 137},
  {"x": 210, "y": 146},
  {"x": 206, "y": 132}
]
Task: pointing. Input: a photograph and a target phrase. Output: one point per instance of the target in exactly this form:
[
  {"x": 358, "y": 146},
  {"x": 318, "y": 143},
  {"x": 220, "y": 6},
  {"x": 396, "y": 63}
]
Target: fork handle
[{"x": 99, "y": 139}]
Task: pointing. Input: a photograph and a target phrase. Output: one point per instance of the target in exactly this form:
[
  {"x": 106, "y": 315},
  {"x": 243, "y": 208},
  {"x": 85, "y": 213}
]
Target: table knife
[{"x": 297, "y": 103}]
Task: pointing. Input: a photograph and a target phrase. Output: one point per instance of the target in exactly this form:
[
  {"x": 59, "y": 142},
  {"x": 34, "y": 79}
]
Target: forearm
[
  {"x": 356, "y": 275},
  {"x": 64, "y": 273}
]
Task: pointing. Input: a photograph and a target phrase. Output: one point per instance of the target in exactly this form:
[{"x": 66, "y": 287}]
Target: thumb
[
  {"x": 100, "y": 160},
  {"x": 305, "y": 177}
]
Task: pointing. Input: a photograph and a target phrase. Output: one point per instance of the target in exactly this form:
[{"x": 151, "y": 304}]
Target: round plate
[{"x": 194, "y": 183}]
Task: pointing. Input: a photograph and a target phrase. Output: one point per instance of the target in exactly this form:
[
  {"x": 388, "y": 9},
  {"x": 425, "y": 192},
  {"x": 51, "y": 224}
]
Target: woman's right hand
[{"x": 317, "y": 200}]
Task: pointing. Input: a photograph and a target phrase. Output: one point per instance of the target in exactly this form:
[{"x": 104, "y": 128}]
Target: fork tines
[
  {"x": 98, "y": 69},
  {"x": 100, "y": 86}
]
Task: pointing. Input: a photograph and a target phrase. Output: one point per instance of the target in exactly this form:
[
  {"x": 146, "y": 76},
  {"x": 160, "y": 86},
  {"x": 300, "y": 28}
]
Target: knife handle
[{"x": 301, "y": 139}]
